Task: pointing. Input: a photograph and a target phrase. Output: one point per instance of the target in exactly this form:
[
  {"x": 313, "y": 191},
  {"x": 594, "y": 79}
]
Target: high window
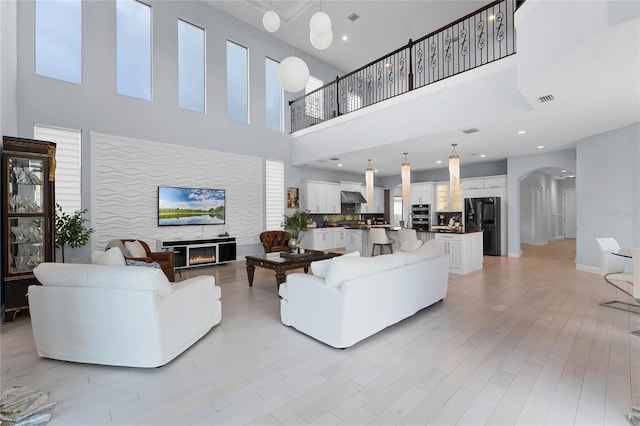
[
  {"x": 134, "y": 49},
  {"x": 68, "y": 164},
  {"x": 191, "y": 69},
  {"x": 273, "y": 95},
  {"x": 58, "y": 30},
  {"x": 237, "y": 83},
  {"x": 274, "y": 194}
]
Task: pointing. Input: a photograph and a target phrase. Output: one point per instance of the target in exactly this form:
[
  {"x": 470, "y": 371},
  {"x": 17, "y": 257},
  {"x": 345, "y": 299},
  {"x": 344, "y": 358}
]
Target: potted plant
[
  {"x": 70, "y": 229},
  {"x": 294, "y": 224}
]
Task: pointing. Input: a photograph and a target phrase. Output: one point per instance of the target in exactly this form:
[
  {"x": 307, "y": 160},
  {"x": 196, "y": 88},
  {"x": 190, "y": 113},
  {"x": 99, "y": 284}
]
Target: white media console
[{"x": 194, "y": 252}]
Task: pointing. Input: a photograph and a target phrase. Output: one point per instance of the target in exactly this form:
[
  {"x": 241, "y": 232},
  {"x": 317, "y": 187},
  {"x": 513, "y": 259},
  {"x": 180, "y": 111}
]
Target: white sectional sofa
[
  {"x": 350, "y": 298},
  {"x": 119, "y": 315}
]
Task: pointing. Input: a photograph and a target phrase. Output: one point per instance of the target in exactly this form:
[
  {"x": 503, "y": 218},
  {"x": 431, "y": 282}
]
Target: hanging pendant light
[
  {"x": 406, "y": 180},
  {"x": 271, "y": 21},
  {"x": 320, "y": 24},
  {"x": 455, "y": 188},
  {"x": 368, "y": 178},
  {"x": 293, "y": 74}
]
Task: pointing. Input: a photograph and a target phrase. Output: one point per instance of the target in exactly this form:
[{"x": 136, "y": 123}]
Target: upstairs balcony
[{"x": 477, "y": 39}]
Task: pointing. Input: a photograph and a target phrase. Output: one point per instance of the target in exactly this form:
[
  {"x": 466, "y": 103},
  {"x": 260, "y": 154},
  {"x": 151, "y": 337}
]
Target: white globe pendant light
[
  {"x": 321, "y": 42},
  {"x": 271, "y": 21},
  {"x": 320, "y": 24},
  {"x": 293, "y": 74}
]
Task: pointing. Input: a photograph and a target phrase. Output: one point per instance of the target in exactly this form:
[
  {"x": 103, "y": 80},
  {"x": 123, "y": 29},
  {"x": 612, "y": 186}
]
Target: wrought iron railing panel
[{"x": 474, "y": 40}]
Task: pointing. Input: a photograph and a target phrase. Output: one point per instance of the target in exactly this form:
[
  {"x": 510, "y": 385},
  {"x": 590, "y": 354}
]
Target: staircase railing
[{"x": 477, "y": 39}]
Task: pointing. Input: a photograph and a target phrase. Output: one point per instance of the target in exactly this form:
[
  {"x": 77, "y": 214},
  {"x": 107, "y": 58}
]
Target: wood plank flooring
[{"x": 522, "y": 342}]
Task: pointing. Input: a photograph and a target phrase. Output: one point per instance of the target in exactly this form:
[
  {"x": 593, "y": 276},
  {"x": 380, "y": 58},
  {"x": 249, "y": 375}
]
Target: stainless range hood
[{"x": 352, "y": 197}]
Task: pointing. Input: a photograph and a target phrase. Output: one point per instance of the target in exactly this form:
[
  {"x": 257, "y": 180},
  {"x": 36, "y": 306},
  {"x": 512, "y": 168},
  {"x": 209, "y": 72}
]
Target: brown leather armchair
[
  {"x": 273, "y": 241},
  {"x": 164, "y": 258}
]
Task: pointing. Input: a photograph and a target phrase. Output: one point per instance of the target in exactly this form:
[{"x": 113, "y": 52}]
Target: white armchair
[{"x": 119, "y": 315}]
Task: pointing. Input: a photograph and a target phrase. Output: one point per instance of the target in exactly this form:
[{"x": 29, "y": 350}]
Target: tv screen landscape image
[{"x": 190, "y": 206}]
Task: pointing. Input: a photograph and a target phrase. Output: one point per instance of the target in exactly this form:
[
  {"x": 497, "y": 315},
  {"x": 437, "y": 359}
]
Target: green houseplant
[
  {"x": 70, "y": 229},
  {"x": 295, "y": 223}
]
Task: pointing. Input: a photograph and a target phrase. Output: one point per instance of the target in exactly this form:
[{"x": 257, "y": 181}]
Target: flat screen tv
[{"x": 190, "y": 206}]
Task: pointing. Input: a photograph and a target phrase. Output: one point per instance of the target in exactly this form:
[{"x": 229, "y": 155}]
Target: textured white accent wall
[{"x": 126, "y": 173}]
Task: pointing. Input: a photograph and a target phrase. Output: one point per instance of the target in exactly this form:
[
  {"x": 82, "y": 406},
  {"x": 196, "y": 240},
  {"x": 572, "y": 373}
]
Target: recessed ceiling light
[
  {"x": 375, "y": 170},
  {"x": 522, "y": 132},
  {"x": 540, "y": 146},
  {"x": 439, "y": 162},
  {"x": 564, "y": 171},
  {"x": 483, "y": 155},
  {"x": 345, "y": 38},
  {"x": 339, "y": 164}
]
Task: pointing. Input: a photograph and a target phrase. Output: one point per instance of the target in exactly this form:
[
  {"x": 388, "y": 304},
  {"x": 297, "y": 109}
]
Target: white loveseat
[
  {"x": 119, "y": 315},
  {"x": 349, "y": 298}
]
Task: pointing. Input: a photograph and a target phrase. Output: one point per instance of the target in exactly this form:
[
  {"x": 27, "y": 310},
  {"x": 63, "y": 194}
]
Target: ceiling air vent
[
  {"x": 353, "y": 17},
  {"x": 468, "y": 131},
  {"x": 546, "y": 98}
]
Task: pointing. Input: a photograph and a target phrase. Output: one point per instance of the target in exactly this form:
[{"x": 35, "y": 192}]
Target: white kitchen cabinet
[
  {"x": 422, "y": 193},
  {"x": 472, "y": 184},
  {"x": 464, "y": 250},
  {"x": 324, "y": 239},
  {"x": 320, "y": 197},
  {"x": 353, "y": 240},
  {"x": 378, "y": 202},
  {"x": 495, "y": 182}
]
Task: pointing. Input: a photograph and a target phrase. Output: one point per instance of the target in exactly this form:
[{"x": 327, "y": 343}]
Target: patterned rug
[{"x": 22, "y": 405}]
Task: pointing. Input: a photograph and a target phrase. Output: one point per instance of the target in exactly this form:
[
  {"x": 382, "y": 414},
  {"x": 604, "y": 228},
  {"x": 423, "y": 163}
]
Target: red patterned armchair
[{"x": 273, "y": 241}]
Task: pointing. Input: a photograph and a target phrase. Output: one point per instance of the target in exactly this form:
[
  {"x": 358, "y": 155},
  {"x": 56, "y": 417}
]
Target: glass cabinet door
[
  {"x": 25, "y": 244},
  {"x": 25, "y": 185}
]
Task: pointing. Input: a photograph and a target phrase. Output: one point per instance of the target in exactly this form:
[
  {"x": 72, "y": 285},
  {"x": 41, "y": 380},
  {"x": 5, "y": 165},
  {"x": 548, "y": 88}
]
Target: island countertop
[{"x": 430, "y": 231}]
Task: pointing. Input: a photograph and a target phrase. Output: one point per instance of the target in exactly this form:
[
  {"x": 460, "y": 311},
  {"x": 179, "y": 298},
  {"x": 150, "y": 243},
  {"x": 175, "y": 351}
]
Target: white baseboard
[
  {"x": 587, "y": 268},
  {"x": 518, "y": 254}
]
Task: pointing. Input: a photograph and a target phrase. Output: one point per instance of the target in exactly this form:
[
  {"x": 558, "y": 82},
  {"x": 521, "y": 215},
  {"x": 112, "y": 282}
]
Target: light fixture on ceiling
[
  {"x": 345, "y": 37},
  {"x": 320, "y": 34},
  {"x": 293, "y": 74},
  {"x": 522, "y": 132},
  {"x": 368, "y": 179},
  {"x": 271, "y": 21},
  {"x": 321, "y": 42},
  {"x": 406, "y": 180},
  {"x": 455, "y": 187}
]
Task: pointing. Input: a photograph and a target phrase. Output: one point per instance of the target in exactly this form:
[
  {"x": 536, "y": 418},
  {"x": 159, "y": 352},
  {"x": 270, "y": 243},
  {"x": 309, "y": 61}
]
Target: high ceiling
[
  {"x": 596, "y": 89},
  {"x": 381, "y": 26}
]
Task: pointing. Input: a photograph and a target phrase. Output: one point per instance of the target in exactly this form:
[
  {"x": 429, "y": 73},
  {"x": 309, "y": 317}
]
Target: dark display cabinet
[{"x": 28, "y": 215}]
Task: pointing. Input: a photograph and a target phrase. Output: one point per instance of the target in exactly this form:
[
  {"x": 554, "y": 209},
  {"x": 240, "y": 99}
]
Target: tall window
[
  {"x": 134, "y": 49},
  {"x": 274, "y": 194},
  {"x": 59, "y": 39},
  {"x": 68, "y": 164},
  {"x": 273, "y": 95},
  {"x": 237, "y": 83},
  {"x": 313, "y": 105},
  {"x": 191, "y": 69}
]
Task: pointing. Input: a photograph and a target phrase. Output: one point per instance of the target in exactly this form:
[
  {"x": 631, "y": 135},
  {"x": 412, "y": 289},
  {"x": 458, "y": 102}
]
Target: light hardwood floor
[{"x": 523, "y": 341}]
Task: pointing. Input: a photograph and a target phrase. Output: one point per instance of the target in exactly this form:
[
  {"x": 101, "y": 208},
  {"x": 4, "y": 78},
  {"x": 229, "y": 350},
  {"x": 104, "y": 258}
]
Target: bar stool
[
  {"x": 405, "y": 235},
  {"x": 378, "y": 237}
]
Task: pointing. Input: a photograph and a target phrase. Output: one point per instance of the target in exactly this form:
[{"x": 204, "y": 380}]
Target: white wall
[
  {"x": 8, "y": 68},
  {"x": 607, "y": 192}
]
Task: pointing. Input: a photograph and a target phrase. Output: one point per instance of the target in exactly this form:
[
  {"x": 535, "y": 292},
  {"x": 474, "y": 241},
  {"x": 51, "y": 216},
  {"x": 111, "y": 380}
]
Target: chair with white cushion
[
  {"x": 613, "y": 272},
  {"x": 378, "y": 237},
  {"x": 408, "y": 240}
]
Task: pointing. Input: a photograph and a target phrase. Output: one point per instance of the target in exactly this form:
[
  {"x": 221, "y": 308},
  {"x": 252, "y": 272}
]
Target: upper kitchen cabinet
[
  {"x": 422, "y": 193},
  {"x": 28, "y": 170},
  {"x": 378, "y": 202},
  {"x": 320, "y": 197}
]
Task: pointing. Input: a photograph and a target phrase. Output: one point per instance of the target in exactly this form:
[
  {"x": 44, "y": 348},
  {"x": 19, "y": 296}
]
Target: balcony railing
[{"x": 477, "y": 39}]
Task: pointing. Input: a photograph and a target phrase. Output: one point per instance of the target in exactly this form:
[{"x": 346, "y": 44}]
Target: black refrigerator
[{"x": 484, "y": 214}]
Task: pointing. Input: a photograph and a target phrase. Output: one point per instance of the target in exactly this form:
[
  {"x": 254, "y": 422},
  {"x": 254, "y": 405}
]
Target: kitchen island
[{"x": 464, "y": 248}]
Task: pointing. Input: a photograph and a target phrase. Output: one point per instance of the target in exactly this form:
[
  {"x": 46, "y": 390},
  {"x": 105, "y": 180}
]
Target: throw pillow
[
  {"x": 132, "y": 262},
  {"x": 411, "y": 245},
  {"x": 344, "y": 268},
  {"x": 430, "y": 249},
  {"x": 135, "y": 248},
  {"x": 112, "y": 257},
  {"x": 120, "y": 245},
  {"x": 319, "y": 268}
]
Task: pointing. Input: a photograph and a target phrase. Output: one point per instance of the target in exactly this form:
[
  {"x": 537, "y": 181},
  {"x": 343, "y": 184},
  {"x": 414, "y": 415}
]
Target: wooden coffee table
[{"x": 280, "y": 264}]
